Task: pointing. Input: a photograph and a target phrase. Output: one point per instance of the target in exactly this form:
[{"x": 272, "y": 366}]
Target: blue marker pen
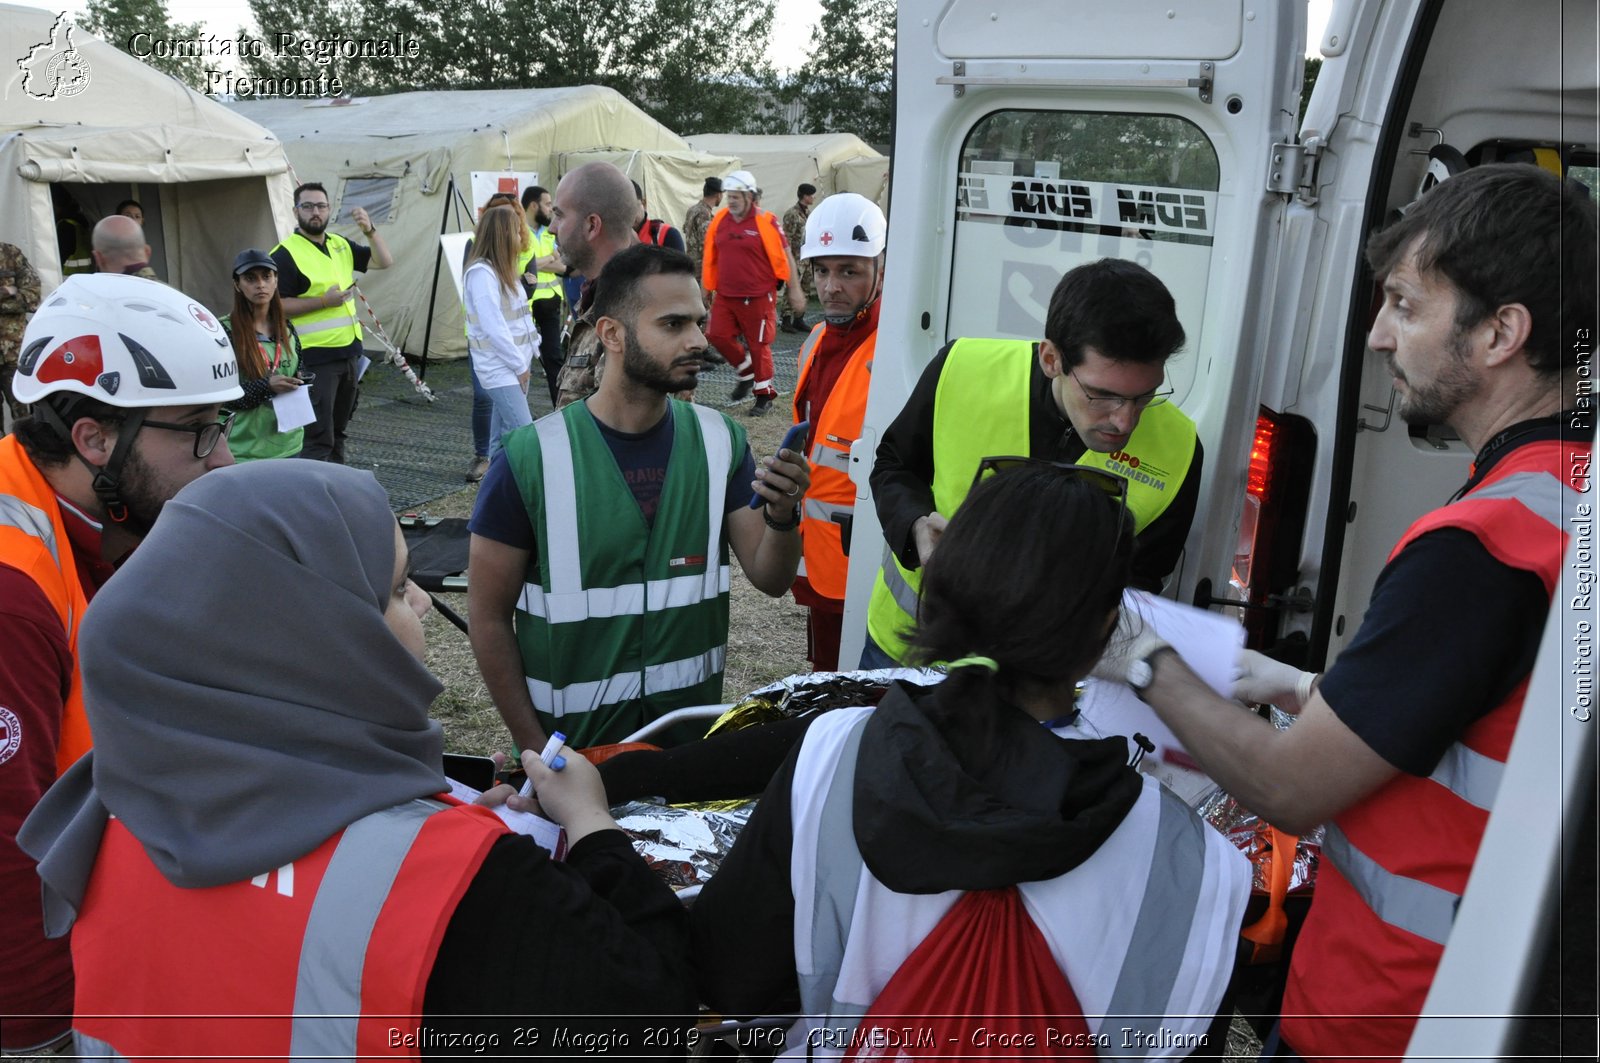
[{"x": 550, "y": 758}]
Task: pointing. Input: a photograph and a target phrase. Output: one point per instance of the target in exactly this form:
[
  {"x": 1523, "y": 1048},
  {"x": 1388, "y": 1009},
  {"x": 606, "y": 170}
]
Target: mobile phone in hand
[{"x": 793, "y": 437}]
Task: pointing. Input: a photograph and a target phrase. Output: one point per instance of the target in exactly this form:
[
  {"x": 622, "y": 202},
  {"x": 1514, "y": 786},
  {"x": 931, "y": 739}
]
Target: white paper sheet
[
  {"x": 293, "y": 408},
  {"x": 362, "y": 365},
  {"x": 1208, "y": 642},
  {"x": 549, "y": 834}
]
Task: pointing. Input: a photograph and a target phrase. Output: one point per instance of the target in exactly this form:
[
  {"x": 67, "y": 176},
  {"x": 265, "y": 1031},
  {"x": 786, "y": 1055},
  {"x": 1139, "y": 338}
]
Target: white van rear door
[{"x": 1033, "y": 136}]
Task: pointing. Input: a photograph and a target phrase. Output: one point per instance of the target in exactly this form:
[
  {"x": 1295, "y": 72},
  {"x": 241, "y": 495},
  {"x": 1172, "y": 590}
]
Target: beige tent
[
  {"x": 781, "y": 163},
  {"x": 408, "y": 158},
  {"x": 99, "y": 127},
  {"x": 868, "y": 177},
  {"x": 672, "y": 180}
]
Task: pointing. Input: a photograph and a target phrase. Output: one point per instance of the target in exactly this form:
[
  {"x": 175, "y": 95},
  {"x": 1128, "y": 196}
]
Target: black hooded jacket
[{"x": 939, "y": 805}]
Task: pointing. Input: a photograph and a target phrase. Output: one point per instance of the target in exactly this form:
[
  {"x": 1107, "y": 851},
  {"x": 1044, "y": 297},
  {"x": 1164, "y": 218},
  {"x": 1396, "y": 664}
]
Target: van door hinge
[{"x": 1292, "y": 169}]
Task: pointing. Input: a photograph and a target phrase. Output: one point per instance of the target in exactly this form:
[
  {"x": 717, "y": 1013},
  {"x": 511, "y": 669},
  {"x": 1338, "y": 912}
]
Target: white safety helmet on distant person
[
  {"x": 125, "y": 341},
  {"x": 741, "y": 181},
  {"x": 846, "y": 223}
]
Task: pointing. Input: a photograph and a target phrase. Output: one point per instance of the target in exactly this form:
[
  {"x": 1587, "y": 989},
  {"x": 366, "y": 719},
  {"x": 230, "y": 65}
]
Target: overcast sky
[{"x": 790, "y": 39}]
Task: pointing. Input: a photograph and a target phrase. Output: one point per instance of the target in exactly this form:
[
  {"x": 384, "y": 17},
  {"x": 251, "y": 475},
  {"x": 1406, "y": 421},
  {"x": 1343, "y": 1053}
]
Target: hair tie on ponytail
[{"x": 973, "y": 662}]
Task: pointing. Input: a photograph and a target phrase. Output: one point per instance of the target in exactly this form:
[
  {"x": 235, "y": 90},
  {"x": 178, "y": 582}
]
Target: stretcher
[{"x": 439, "y": 549}]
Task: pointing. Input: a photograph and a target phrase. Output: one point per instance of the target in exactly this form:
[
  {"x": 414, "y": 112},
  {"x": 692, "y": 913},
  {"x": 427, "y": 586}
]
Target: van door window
[{"x": 1040, "y": 192}]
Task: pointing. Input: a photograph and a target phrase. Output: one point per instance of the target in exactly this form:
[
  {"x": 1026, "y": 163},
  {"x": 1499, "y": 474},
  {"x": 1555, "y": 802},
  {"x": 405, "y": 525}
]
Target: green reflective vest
[
  {"x": 980, "y": 410},
  {"x": 253, "y": 434},
  {"x": 332, "y": 326},
  {"x": 624, "y": 621}
]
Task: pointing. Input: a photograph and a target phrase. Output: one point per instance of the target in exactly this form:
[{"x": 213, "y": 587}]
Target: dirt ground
[{"x": 766, "y": 636}]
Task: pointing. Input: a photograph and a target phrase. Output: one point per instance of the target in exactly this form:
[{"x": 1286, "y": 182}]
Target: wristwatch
[{"x": 1141, "y": 670}]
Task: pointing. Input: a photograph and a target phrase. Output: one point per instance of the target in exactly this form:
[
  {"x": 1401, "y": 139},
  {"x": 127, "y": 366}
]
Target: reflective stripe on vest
[
  {"x": 1419, "y": 907},
  {"x": 619, "y": 622},
  {"x": 982, "y": 408},
  {"x": 1153, "y": 964},
  {"x": 81, "y": 257},
  {"x": 664, "y": 678},
  {"x": 86, "y": 1047},
  {"x": 33, "y": 540},
  {"x": 31, "y": 521},
  {"x": 329, "y": 326},
  {"x": 835, "y": 427},
  {"x": 327, "y": 991}
]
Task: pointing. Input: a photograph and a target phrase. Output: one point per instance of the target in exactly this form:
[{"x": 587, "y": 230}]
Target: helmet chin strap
[{"x": 107, "y": 478}]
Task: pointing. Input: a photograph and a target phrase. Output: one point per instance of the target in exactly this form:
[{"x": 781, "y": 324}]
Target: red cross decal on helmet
[
  {"x": 826, "y": 239},
  {"x": 202, "y": 315}
]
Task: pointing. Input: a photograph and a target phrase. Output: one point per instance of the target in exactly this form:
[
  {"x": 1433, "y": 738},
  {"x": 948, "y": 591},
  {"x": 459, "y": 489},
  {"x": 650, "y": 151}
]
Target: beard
[
  {"x": 315, "y": 225},
  {"x": 1434, "y": 401},
  {"x": 646, "y": 372},
  {"x": 541, "y": 219},
  {"x": 144, "y": 491}
]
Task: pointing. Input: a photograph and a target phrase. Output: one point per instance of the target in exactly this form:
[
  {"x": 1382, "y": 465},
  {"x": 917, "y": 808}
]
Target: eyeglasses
[
  {"x": 1109, "y": 482},
  {"x": 309, "y": 208},
  {"x": 1111, "y": 403},
  {"x": 206, "y": 436}
]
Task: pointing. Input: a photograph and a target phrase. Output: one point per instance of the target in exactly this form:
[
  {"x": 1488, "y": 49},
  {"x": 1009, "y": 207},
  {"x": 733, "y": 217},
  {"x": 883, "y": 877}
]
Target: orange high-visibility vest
[
  {"x": 832, "y": 494},
  {"x": 1397, "y": 862},
  {"x": 326, "y": 956},
  {"x": 771, "y": 239},
  {"x": 33, "y": 540}
]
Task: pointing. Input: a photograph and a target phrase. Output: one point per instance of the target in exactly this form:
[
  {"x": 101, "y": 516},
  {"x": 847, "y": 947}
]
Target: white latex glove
[
  {"x": 1132, "y": 640},
  {"x": 1264, "y": 681}
]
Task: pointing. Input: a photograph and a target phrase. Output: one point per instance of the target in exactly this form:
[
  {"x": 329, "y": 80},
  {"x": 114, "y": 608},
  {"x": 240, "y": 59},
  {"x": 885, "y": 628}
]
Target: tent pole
[{"x": 433, "y": 289}]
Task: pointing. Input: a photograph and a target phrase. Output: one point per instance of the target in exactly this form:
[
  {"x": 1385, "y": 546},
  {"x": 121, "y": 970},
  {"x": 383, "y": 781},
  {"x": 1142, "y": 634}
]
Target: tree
[
  {"x": 142, "y": 28},
  {"x": 700, "y": 66},
  {"x": 846, "y": 84},
  {"x": 691, "y": 64},
  {"x": 1313, "y": 68}
]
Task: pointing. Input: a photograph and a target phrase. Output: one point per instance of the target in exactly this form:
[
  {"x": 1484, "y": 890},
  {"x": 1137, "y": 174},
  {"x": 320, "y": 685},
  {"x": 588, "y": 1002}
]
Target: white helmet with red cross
[{"x": 846, "y": 223}]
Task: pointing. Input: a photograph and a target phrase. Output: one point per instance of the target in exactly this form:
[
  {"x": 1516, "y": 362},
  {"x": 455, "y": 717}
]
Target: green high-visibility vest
[
  {"x": 981, "y": 409},
  {"x": 331, "y": 326},
  {"x": 623, "y": 622}
]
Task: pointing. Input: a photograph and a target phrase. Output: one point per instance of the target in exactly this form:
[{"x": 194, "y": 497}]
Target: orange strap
[{"x": 1266, "y": 934}]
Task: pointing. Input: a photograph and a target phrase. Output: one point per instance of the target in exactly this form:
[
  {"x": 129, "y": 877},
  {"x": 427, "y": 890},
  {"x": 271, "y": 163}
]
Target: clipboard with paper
[{"x": 1208, "y": 642}]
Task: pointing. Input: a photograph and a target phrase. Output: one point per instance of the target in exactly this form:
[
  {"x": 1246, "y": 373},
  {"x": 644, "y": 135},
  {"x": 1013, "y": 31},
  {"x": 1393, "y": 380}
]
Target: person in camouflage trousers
[
  {"x": 19, "y": 298},
  {"x": 794, "y": 230},
  {"x": 698, "y": 219}
]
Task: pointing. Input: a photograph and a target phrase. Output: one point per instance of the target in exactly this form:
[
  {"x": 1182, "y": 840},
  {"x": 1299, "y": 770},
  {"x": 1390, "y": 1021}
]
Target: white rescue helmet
[
  {"x": 846, "y": 223},
  {"x": 741, "y": 181},
  {"x": 126, "y": 341}
]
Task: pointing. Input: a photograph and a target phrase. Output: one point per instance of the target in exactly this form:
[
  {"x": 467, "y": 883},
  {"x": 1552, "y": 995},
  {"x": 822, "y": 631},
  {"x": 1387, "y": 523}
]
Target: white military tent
[
  {"x": 407, "y": 158},
  {"x": 782, "y": 163},
  {"x": 99, "y": 126},
  {"x": 867, "y": 176},
  {"x": 672, "y": 180}
]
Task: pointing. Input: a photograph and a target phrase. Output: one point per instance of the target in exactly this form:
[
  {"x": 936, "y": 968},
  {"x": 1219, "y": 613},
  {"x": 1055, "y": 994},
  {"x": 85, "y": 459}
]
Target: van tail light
[{"x": 1272, "y": 525}]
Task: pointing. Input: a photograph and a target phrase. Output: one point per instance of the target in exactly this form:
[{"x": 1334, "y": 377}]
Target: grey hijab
[{"x": 246, "y": 698}]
